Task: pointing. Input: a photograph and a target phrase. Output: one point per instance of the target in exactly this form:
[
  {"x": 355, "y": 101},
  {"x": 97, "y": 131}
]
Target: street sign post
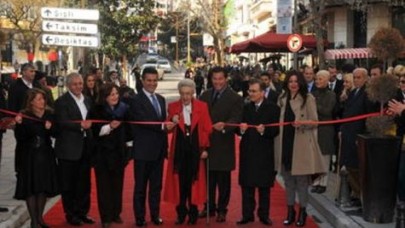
[
  {"x": 64, "y": 21},
  {"x": 76, "y": 41},
  {"x": 294, "y": 42},
  {"x": 67, "y": 27},
  {"x": 69, "y": 14}
]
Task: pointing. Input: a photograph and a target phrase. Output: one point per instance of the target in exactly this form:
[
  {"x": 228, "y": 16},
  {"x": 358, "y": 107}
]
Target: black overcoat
[{"x": 256, "y": 164}]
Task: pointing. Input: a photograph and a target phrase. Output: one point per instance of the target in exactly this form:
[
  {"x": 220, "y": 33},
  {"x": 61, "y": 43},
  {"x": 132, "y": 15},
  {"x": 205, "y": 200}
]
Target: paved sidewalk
[{"x": 339, "y": 217}]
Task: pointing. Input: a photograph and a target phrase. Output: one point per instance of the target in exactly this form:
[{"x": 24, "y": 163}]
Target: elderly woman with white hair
[
  {"x": 325, "y": 104},
  {"x": 185, "y": 178}
]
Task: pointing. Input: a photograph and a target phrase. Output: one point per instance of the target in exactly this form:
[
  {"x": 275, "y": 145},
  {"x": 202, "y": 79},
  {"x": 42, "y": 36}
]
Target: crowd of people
[{"x": 94, "y": 121}]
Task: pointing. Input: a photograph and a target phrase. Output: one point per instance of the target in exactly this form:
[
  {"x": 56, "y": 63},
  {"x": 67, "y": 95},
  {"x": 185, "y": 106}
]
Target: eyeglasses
[{"x": 253, "y": 91}]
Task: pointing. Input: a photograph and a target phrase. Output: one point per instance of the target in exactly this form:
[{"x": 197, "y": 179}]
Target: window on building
[
  {"x": 360, "y": 29},
  {"x": 398, "y": 19}
]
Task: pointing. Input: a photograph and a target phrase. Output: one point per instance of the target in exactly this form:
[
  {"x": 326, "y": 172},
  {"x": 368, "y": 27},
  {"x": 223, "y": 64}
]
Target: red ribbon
[{"x": 326, "y": 122}]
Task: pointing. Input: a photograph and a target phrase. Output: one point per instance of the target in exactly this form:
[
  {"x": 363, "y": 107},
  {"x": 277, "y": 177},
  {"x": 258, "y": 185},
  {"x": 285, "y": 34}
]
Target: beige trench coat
[{"x": 307, "y": 157}]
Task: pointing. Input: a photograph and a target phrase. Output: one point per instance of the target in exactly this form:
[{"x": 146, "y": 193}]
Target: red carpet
[{"x": 55, "y": 216}]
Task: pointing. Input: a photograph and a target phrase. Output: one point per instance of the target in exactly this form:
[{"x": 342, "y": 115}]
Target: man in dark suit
[
  {"x": 18, "y": 89},
  {"x": 357, "y": 104},
  {"x": 309, "y": 76},
  {"x": 256, "y": 162},
  {"x": 270, "y": 93},
  {"x": 72, "y": 150},
  {"x": 334, "y": 84},
  {"x": 149, "y": 147},
  {"x": 225, "y": 106}
]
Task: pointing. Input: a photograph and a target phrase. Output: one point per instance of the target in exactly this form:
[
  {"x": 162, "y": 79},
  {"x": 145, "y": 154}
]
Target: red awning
[
  {"x": 271, "y": 42},
  {"x": 349, "y": 53}
]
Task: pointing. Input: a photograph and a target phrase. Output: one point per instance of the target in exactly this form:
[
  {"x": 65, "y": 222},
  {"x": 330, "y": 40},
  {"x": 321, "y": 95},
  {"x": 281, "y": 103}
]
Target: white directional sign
[
  {"x": 69, "y": 14},
  {"x": 76, "y": 41},
  {"x": 66, "y": 27}
]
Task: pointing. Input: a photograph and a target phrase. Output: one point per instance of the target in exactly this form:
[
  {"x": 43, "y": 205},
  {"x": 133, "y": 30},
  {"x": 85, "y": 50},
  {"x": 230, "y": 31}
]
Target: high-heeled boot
[
  {"x": 302, "y": 217},
  {"x": 181, "y": 215},
  {"x": 290, "y": 216}
]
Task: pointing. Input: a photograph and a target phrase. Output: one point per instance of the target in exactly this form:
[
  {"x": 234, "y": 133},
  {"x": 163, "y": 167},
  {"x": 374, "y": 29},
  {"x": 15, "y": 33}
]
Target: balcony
[{"x": 261, "y": 8}]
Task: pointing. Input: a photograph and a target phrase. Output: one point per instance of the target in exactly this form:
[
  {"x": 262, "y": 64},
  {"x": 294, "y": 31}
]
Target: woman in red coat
[{"x": 185, "y": 180}]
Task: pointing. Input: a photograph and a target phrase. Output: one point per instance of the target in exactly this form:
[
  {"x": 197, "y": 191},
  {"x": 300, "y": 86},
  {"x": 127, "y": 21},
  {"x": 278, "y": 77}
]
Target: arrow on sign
[
  {"x": 48, "y": 39},
  {"x": 48, "y": 25},
  {"x": 47, "y": 12}
]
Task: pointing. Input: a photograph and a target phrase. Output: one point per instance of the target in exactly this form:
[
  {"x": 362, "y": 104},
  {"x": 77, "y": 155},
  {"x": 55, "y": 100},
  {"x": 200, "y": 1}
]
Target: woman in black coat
[
  {"x": 36, "y": 179},
  {"x": 110, "y": 153}
]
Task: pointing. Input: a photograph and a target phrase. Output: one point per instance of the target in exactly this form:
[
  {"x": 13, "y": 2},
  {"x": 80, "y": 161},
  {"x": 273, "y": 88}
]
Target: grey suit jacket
[{"x": 70, "y": 136}]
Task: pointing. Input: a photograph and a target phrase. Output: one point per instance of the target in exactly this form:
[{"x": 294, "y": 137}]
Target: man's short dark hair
[
  {"x": 331, "y": 66},
  {"x": 149, "y": 70},
  {"x": 219, "y": 69},
  {"x": 266, "y": 74},
  {"x": 94, "y": 70},
  {"x": 258, "y": 81},
  {"x": 377, "y": 66}
]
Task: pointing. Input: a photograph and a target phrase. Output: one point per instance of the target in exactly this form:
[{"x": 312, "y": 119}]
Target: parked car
[
  {"x": 152, "y": 64},
  {"x": 152, "y": 56},
  {"x": 165, "y": 65}
]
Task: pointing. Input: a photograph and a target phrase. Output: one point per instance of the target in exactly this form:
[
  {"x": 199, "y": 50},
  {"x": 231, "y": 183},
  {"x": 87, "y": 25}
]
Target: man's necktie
[
  {"x": 155, "y": 104},
  {"x": 257, "y": 107},
  {"x": 331, "y": 86},
  {"x": 215, "y": 99}
]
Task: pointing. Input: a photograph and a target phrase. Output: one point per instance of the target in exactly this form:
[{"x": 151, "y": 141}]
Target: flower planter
[{"x": 378, "y": 164}]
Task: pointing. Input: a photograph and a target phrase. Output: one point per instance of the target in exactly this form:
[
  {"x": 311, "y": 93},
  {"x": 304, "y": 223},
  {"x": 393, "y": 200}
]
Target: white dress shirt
[
  {"x": 187, "y": 114},
  {"x": 27, "y": 83}
]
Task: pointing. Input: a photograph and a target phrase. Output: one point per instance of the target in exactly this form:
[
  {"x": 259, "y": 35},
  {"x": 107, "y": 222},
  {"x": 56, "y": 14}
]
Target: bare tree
[
  {"x": 24, "y": 15},
  {"x": 318, "y": 10},
  {"x": 213, "y": 20}
]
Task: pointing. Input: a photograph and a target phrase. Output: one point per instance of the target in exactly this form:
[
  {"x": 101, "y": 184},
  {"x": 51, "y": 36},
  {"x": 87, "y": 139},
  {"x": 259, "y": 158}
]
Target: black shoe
[
  {"x": 117, "y": 220},
  {"x": 315, "y": 189},
  {"x": 140, "y": 222},
  {"x": 86, "y": 219},
  {"x": 157, "y": 221},
  {"x": 290, "y": 216},
  {"x": 302, "y": 217},
  {"x": 244, "y": 221},
  {"x": 106, "y": 225},
  {"x": 203, "y": 214},
  {"x": 266, "y": 221},
  {"x": 221, "y": 217},
  {"x": 321, "y": 189},
  {"x": 3, "y": 209},
  {"x": 355, "y": 202},
  {"x": 181, "y": 214},
  {"x": 192, "y": 215},
  {"x": 74, "y": 221},
  {"x": 192, "y": 220},
  {"x": 43, "y": 225},
  {"x": 180, "y": 220}
]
